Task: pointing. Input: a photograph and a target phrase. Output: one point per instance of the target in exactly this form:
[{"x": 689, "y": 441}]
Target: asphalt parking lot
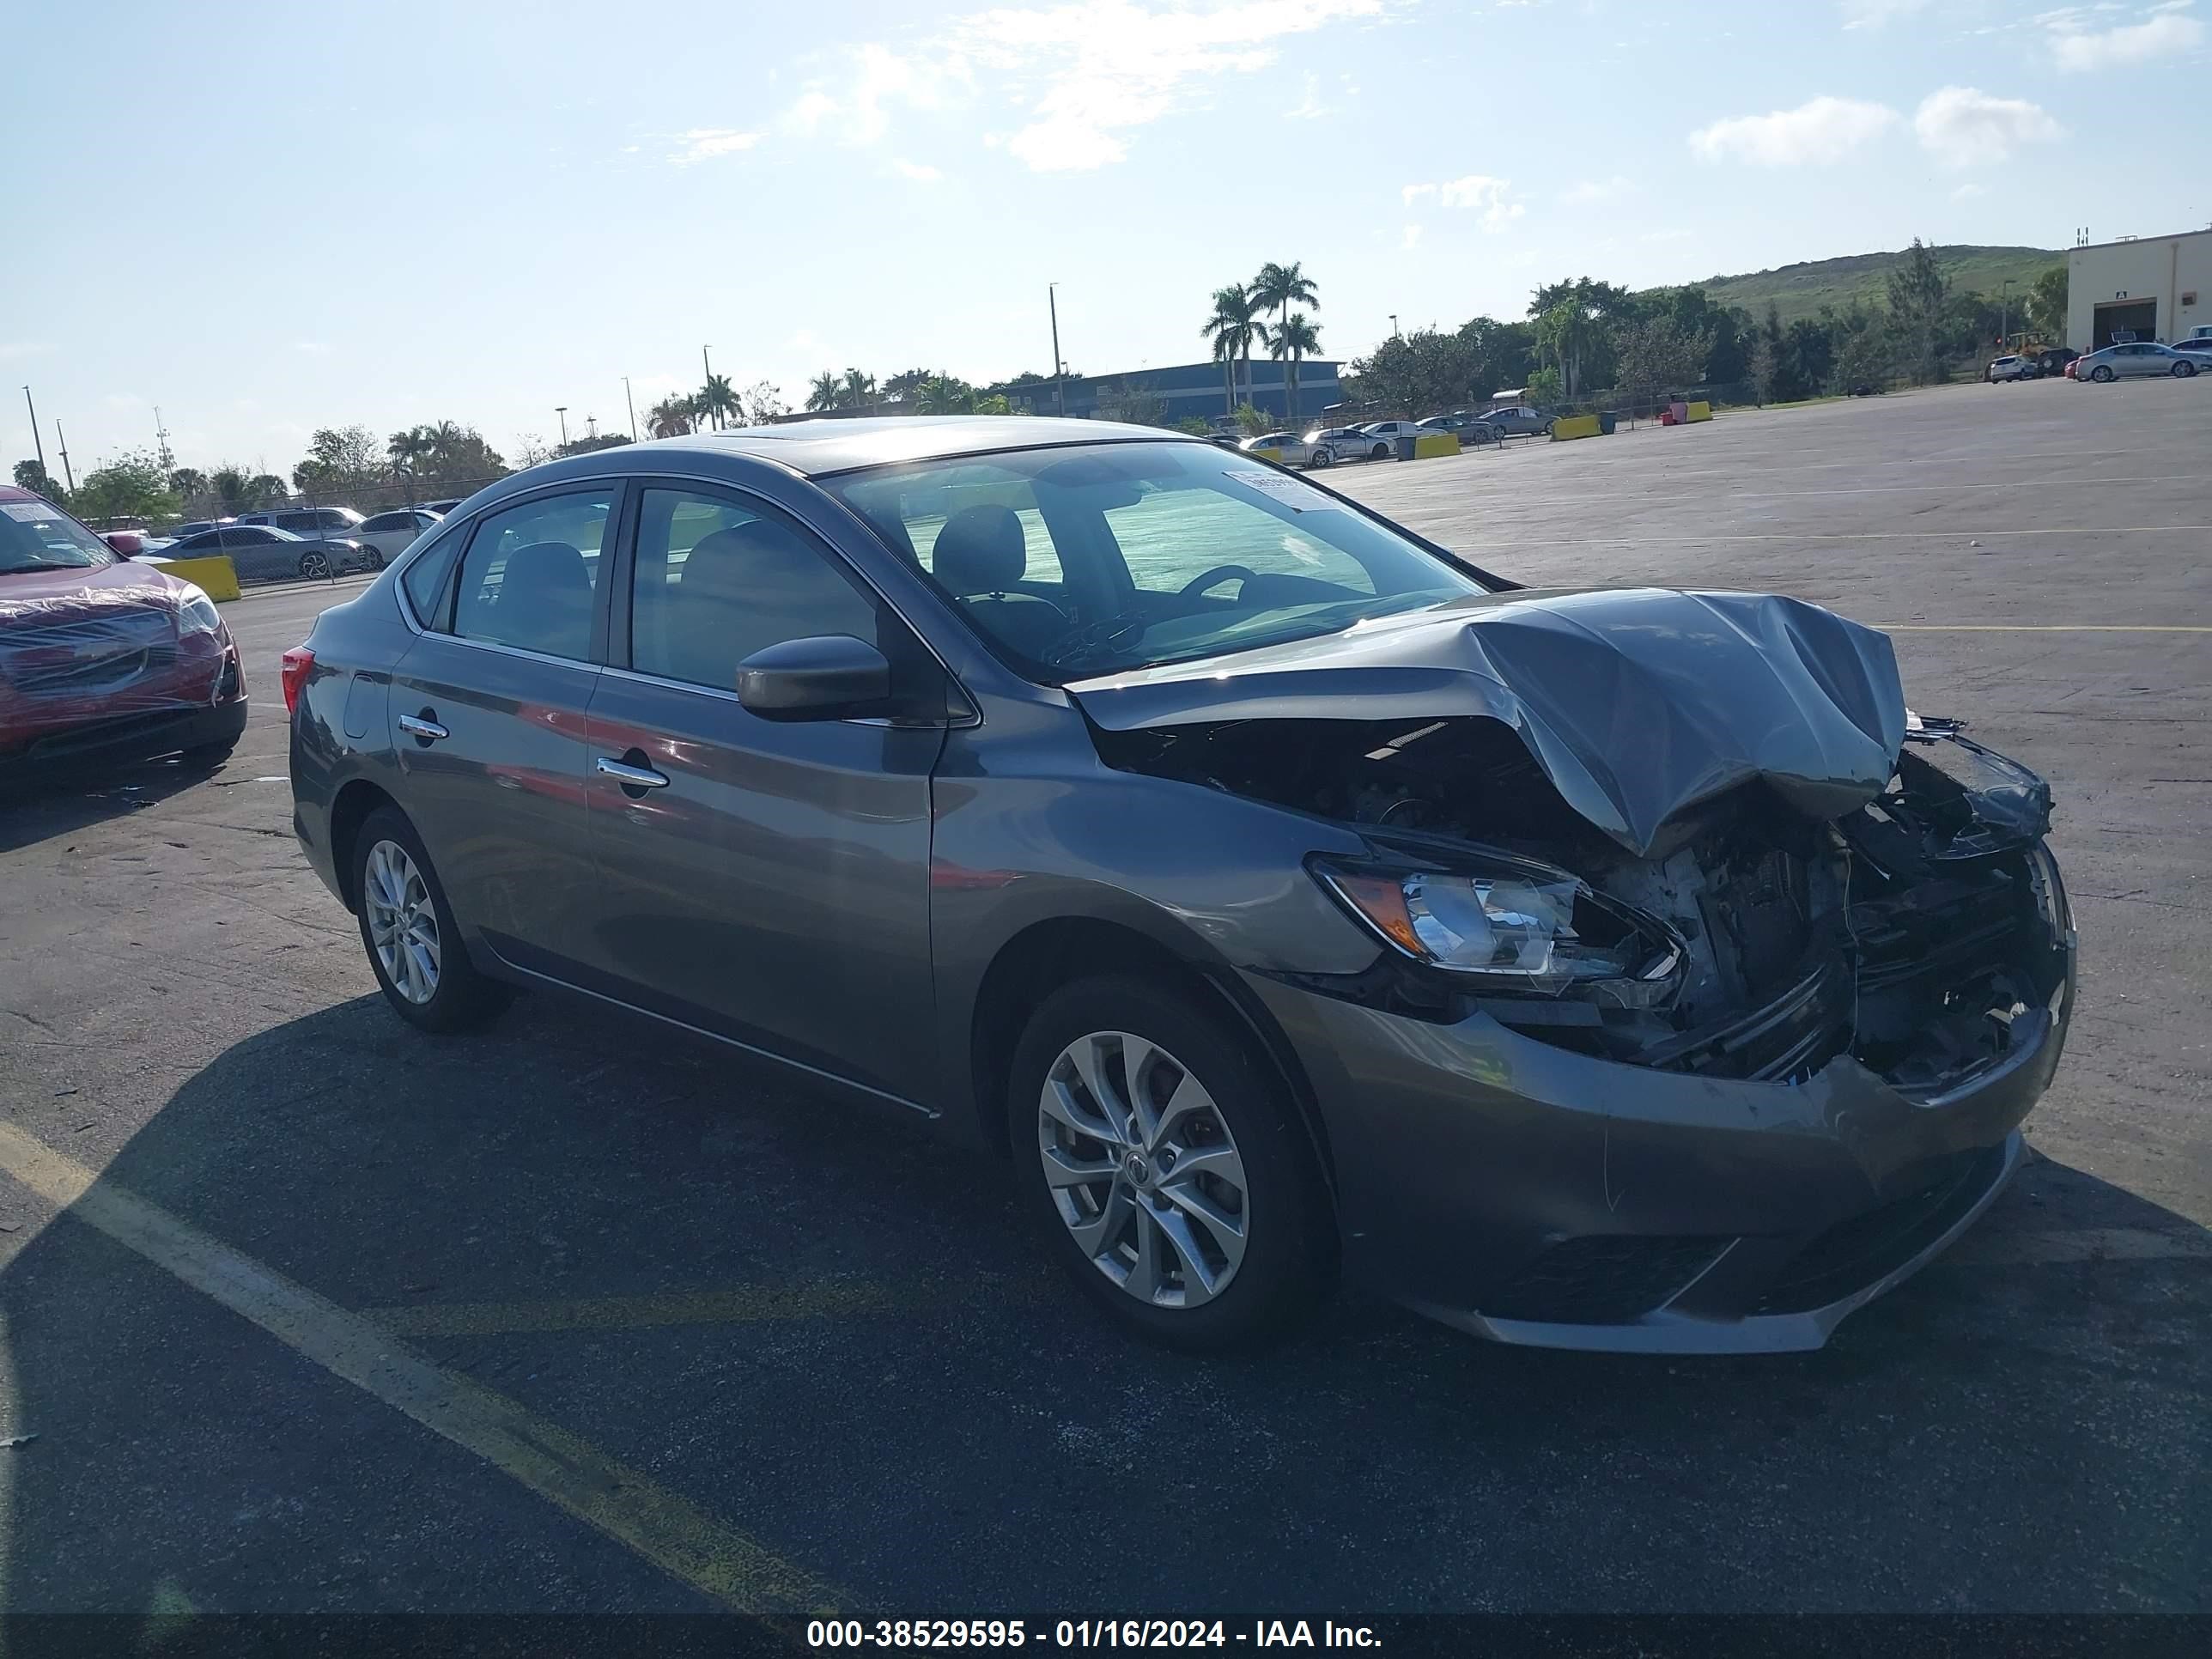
[{"x": 570, "y": 1317}]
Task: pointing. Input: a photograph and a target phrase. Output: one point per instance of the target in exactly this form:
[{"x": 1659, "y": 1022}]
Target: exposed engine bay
[{"x": 1923, "y": 933}]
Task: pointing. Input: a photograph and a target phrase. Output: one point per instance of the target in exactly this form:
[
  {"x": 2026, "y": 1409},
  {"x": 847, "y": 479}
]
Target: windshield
[
  {"x": 1091, "y": 559},
  {"x": 36, "y": 536}
]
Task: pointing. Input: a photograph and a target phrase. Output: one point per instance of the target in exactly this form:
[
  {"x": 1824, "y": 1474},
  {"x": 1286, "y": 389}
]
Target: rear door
[
  {"x": 488, "y": 709},
  {"x": 766, "y": 880}
]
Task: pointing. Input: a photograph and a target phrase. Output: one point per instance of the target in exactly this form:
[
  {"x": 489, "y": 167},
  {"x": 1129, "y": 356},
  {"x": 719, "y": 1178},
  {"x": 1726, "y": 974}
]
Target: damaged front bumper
[{"x": 1744, "y": 1188}]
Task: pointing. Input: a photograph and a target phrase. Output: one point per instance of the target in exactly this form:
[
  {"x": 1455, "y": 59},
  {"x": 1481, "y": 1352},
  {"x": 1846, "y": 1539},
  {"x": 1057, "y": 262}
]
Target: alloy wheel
[
  {"x": 402, "y": 922},
  {"x": 1144, "y": 1169},
  {"x": 314, "y": 564}
]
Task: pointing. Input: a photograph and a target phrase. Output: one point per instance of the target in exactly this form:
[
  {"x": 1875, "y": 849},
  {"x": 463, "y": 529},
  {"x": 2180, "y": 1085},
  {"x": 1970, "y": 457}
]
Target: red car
[{"x": 102, "y": 658}]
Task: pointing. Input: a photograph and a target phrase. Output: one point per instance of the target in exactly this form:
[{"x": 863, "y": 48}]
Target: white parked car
[
  {"x": 2013, "y": 369},
  {"x": 391, "y": 533},
  {"x": 1284, "y": 448},
  {"x": 1385, "y": 436},
  {"x": 1331, "y": 444},
  {"x": 2136, "y": 357}
]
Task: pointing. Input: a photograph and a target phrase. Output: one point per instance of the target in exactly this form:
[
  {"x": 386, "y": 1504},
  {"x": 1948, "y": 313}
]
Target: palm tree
[
  {"x": 446, "y": 441},
  {"x": 717, "y": 398},
  {"x": 825, "y": 390},
  {"x": 859, "y": 390},
  {"x": 409, "y": 449},
  {"x": 1294, "y": 338},
  {"x": 943, "y": 395},
  {"x": 1278, "y": 287},
  {"x": 670, "y": 418},
  {"x": 1231, "y": 329},
  {"x": 1566, "y": 331}
]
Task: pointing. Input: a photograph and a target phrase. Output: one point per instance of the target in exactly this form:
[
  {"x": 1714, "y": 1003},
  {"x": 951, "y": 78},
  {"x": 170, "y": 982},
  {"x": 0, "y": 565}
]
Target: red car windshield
[{"x": 35, "y": 536}]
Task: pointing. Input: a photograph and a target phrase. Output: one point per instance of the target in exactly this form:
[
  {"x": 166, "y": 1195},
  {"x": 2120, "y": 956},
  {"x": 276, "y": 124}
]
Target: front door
[
  {"x": 762, "y": 879},
  {"x": 488, "y": 709}
]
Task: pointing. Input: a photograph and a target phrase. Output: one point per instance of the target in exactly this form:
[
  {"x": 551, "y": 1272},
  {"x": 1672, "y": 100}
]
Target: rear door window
[{"x": 532, "y": 572}]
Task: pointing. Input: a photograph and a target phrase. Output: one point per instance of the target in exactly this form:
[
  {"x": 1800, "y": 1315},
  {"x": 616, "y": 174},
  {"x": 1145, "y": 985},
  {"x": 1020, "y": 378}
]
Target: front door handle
[
  {"x": 632, "y": 777},
  {"x": 421, "y": 727}
]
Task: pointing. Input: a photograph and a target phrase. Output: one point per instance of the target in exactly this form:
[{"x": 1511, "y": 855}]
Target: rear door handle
[
  {"x": 632, "y": 777},
  {"x": 428, "y": 730}
]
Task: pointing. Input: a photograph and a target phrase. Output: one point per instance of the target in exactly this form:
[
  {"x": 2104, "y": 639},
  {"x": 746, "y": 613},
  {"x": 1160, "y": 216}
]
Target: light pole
[
  {"x": 37, "y": 442},
  {"x": 562, "y": 410},
  {"x": 709, "y": 370},
  {"x": 1394, "y": 325},
  {"x": 1059, "y": 380},
  {"x": 61, "y": 441},
  {"x": 632, "y": 407},
  {"x": 2005, "y": 311}
]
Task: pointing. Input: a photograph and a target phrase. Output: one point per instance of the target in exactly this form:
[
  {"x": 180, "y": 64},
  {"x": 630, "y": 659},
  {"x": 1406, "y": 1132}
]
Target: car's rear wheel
[
  {"x": 2183, "y": 371},
  {"x": 2102, "y": 373},
  {"x": 374, "y": 558},
  {"x": 407, "y": 927},
  {"x": 1379, "y": 452},
  {"x": 314, "y": 566},
  {"x": 1168, "y": 1165}
]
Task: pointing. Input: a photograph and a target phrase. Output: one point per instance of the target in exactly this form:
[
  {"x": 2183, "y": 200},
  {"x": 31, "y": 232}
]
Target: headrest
[{"x": 981, "y": 550}]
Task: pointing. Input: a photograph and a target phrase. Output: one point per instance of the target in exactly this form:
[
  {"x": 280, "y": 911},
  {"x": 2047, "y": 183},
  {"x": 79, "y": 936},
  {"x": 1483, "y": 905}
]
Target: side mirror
[{"x": 826, "y": 678}]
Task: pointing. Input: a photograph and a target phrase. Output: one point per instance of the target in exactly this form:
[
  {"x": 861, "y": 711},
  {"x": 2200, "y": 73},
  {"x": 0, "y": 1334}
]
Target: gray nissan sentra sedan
[{"x": 1278, "y": 891}]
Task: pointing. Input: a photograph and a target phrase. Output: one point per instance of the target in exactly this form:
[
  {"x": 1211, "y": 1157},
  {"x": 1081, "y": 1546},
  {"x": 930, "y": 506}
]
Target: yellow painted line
[
  {"x": 826, "y": 1298},
  {"x": 674, "y": 1535},
  {"x": 2039, "y": 628}
]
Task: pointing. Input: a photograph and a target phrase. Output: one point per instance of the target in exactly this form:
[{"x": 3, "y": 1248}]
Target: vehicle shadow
[
  {"x": 2020, "y": 1428},
  {"x": 57, "y": 803}
]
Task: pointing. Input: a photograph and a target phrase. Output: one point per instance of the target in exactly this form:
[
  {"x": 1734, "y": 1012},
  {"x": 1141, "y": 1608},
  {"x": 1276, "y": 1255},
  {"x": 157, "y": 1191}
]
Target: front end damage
[{"x": 1708, "y": 1086}]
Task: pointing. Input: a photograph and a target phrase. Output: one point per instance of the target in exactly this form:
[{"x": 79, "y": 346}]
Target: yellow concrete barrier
[
  {"x": 1575, "y": 426},
  {"x": 217, "y": 577},
  {"x": 1427, "y": 448},
  {"x": 1701, "y": 411}
]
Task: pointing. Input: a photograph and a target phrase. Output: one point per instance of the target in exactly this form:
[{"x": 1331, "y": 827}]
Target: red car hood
[{"x": 54, "y": 595}]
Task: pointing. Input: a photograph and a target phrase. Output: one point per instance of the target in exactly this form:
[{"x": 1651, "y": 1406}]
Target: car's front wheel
[
  {"x": 1168, "y": 1165},
  {"x": 313, "y": 567},
  {"x": 407, "y": 927},
  {"x": 2183, "y": 371}
]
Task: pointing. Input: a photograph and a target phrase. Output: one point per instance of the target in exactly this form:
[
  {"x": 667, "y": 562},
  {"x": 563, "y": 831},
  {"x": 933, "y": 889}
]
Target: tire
[
  {"x": 374, "y": 559},
  {"x": 314, "y": 567},
  {"x": 2183, "y": 371},
  {"x": 440, "y": 990},
  {"x": 1379, "y": 452},
  {"x": 1321, "y": 456},
  {"x": 1261, "y": 1187},
  {"x": 2102, "y": 373}
]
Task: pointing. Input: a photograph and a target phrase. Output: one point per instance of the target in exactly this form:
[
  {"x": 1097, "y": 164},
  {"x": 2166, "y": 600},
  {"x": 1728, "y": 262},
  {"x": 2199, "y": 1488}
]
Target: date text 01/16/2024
[{"x": 1083, "y": 1633}]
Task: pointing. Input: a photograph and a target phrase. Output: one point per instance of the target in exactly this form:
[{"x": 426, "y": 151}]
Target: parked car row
[
  {"x": 1377, "y": 440},
  {"x": 308, "y": 542},
  {"x": 2138, "y": 358}
]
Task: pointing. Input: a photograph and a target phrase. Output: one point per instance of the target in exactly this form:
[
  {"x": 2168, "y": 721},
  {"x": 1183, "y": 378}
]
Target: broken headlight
[
  {"x": 1510, "y": 926},
  {"x": 195, "y": 613}
]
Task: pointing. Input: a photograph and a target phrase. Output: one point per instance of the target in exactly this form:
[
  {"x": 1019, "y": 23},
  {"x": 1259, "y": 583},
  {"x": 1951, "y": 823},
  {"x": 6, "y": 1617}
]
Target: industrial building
[
  {"x": 2145, "y": 288},
  {"x": 1186, "y": 390}
]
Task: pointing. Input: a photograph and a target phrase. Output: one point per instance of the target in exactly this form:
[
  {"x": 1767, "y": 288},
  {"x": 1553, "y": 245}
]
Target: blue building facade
[{"x": 1188, "y": 390}]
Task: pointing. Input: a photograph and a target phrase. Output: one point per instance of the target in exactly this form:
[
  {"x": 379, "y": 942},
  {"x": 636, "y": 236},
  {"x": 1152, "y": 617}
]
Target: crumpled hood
[
  {"x": 1639, "y": 703},
  {"x": 50, "y": 596}
]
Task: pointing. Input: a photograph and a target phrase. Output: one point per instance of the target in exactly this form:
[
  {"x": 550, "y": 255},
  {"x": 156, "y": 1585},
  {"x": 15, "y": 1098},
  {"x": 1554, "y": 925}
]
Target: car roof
[{"x": 817, "y": 448}]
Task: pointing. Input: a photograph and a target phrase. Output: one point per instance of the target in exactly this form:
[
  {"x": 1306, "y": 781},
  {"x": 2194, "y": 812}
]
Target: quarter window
[
  {"x": 528, "y": 578},
  {"x": 716, "y": 581}
]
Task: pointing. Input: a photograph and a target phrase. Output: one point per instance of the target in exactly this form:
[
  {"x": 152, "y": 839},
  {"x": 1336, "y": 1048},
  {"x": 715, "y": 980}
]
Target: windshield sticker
[
  {"x": 1293, "y": 493},
  {"x": 28, "y": 511}
]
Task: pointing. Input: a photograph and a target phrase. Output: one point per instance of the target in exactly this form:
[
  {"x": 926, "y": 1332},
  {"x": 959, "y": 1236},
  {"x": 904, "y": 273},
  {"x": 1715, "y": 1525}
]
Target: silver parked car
[
  {"x": 2134, "y": 357},
  {"x": 262, "y": 552},
  {"x": 391, "y": 533},
  {"x": 2013, "y": 367},
  {"x": 1518, "y": 421},
  {"x": 1270, "y": 889},
  {"x": 1329, "y": 444},
  {"x": 328, "y": 525}
]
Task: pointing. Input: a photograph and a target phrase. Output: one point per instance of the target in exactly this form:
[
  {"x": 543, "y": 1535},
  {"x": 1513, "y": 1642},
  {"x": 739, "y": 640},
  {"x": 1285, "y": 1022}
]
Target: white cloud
[
  {"x": 921, "y": 172},
  {"x": 704, "y": 143},
  {"x": 1591, "y": 190},
  {"x": 1966, "y": 127},
  {"x": 1476, "y": 191},
  {"x": 1308, "y": 107},
  {"x": 1820, "y": 131},
  {"x": 2079, "y": 51},
  {"x": 1411, "y": 238},
  {"x": 1872, "y": 14},
  {"x": 1967, "y": 192},
  {"x": 1086, "y": 72}
]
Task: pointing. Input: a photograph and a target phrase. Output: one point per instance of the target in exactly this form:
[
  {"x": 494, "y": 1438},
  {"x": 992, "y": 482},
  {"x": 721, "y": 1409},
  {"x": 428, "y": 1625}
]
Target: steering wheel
[{"x": 1205, "y": 578}]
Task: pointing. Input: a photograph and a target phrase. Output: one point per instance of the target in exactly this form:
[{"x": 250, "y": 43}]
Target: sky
[{"x": 266, "y": 218}]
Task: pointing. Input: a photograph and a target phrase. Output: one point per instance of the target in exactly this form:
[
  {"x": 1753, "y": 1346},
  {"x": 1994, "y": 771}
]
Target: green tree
[
  {"x": 1767, "y": 367},
  {"x": 237, "y": 490},
  {"x": 717, "y": 399},
  {"x": 905, "y": 384},
  {"x": 1289, "y": 342},
  {"x": 131, "y": 486},
  {"x": 1230, "y": 330},
  {"x": 825, "y": 390},
  {"x": 30, "y": 476},
  {"x": 2046, "y": 305},
  {"x": 1568, "y": 333},
  {"x": 1418, "y": 374},
  {"x": 1252, "y": 421},
  {"x": 1543, "y": 385},
  {"x": 858, "y": 390},
  {"x": 1659, "y": 356},
  {"x": 763, "y": 401},
  {"x": 671, "y": 418},
  {"x": 187, "y": 483},
  {"x": 946, "y": 394},
  {"x": 1918, "y": 290},
  {"x": 1866, "y": 354},
  {"x": 1278, "y": 287}
]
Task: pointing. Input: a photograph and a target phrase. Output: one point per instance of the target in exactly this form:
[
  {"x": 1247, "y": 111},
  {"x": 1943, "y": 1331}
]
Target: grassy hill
[{"x": 1801, "y": 290}]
